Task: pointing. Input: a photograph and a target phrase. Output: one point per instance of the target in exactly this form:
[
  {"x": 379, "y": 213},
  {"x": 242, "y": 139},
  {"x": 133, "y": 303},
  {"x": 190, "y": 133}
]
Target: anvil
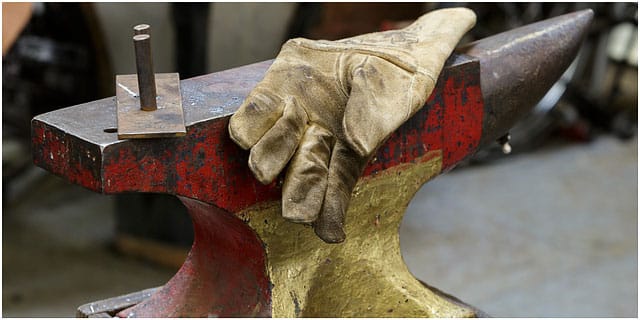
[{"x": 246, "y": 260}]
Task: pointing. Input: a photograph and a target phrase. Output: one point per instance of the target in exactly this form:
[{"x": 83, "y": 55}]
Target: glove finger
[
  {"x": 257, "y": 114},
  {"x": 272, "y": 152},
  {"x": 344, "y": 170},
  {"x": 382, "y": 97},
  {"x": 306, "y": 181}
]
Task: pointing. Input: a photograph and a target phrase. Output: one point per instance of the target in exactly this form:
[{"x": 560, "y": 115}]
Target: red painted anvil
[{"x": 246, "y": 260}]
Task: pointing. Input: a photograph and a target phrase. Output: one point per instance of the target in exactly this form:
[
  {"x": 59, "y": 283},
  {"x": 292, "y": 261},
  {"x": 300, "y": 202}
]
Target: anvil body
[{"x": 246, "y": 260}]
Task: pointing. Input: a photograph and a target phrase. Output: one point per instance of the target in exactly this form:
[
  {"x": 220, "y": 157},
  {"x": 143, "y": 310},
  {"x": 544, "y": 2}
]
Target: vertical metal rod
[
  {"x": 146, "y": 76},
  {"x": 142, "y": 29}
]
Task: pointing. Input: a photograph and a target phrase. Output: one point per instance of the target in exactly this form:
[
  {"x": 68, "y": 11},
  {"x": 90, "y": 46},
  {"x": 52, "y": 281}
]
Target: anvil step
[{"x": 247, "y": 260}]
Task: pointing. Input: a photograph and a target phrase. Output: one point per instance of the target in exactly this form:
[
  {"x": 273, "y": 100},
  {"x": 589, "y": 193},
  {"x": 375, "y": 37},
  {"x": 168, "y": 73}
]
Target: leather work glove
[{"x": 326, "y": 106}]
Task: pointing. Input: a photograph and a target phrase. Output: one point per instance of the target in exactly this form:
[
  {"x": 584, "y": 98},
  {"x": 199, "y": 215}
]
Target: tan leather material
[
  {"x": 272, "y": 152},
  {"x": 344, "y": 170},
  {"x": 306, "y": 181},
  {"x": 328, "y": 105}
]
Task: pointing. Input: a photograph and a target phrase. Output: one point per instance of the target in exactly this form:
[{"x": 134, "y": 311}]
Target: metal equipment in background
[{"x": 59, "y": 59}]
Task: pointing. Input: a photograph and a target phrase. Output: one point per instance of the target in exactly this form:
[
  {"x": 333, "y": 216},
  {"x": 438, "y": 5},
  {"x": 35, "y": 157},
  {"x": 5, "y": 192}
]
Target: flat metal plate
[{"x": 166, "y": 121}]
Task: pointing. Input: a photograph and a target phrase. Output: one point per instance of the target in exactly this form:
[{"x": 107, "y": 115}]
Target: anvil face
[
  {"x": 515, "y": 70},
  {"x": 79, "y": 142},
  {"x": 242, "y": 244}
]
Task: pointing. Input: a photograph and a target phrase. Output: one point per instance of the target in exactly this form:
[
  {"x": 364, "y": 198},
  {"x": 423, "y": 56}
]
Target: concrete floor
[{"x": 548, "y": 234}]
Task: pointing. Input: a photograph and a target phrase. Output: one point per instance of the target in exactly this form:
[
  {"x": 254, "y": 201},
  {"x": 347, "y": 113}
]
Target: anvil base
[{"x": 363, "y": 277}]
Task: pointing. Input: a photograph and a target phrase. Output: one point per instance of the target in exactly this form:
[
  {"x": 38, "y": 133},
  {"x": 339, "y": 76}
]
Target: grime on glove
[{"x": 324, "y": 107}]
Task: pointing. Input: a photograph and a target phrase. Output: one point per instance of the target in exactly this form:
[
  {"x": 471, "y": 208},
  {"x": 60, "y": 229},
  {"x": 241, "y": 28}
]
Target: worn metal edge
[{"x": 111, "y": 306}]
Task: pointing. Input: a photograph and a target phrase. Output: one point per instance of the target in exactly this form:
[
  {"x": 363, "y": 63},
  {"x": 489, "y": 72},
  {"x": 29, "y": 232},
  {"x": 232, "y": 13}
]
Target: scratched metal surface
[
  {"x": 167, "y": 120},
  {"x": 206, "y": 165},
  {"x": 524, "y": 66},
  {"x": 203, "y": 98},
  {"x": 511, "y": 78}
]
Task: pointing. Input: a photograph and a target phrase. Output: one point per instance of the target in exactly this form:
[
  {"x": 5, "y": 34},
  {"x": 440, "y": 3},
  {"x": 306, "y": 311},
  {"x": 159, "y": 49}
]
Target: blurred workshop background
[{"x": 548, "y": 231}]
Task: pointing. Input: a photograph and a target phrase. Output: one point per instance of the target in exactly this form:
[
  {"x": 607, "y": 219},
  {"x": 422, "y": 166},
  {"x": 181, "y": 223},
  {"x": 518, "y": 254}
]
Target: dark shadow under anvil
[{"x": 248, "y": 261}]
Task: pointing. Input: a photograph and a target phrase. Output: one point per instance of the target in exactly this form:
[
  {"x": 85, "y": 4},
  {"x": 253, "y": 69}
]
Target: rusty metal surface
[
  {"x": 218, "y": 95},
  {"x": 208, "y": 166},
  {"x": 521, "y": 65},
  {"x": 165, "y": 121}
]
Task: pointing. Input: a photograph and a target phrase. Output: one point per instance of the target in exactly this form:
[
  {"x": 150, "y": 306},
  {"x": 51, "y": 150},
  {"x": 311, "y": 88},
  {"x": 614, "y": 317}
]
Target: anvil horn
[{"x": 518, "y": 67}]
